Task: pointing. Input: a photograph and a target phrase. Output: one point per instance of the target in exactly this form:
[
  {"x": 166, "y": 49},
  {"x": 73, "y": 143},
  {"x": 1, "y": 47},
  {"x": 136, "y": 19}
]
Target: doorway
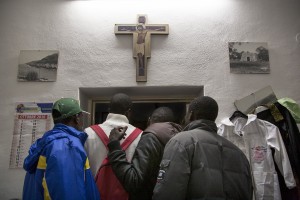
[
  {"x": 145, "y": 100},
  {"x": 141, "y": 111}
]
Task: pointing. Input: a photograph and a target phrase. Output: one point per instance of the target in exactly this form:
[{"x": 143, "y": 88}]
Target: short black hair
[
  {"x": 120, "y": 103},
  {"x": 162, "y": 114},
  {"x": 204, "y": 107},
  {"x": 57, "y": 114}
]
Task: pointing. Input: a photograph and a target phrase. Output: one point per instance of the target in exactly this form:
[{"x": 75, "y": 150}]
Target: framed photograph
[
  {"x": 249, "y": 58},
  {"x": 38, "y": 65}
]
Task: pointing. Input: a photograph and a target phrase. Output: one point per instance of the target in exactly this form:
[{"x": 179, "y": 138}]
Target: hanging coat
[
  {"x": 281, "y": 117},
  {"x": 255, "y": 138}
]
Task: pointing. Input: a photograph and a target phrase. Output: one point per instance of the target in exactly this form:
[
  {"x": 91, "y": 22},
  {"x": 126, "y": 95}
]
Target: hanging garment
[
  {"x": 255, "y": 138},
  {"x": 280, "y": 116},
  {"x": 292, "y": 106}
]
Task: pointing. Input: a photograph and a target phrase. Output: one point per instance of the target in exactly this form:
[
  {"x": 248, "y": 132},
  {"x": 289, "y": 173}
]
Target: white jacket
[
  {"x": 255, "y": 138},
  {"x": 94, "y": 146}
]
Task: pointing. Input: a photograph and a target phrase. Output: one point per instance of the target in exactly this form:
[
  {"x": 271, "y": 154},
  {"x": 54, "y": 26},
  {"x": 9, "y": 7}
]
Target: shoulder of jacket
[{"x": 183, "y": 137}]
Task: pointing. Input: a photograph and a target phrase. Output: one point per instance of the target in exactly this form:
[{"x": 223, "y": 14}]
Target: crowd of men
[{"x": 165, "y": 161}]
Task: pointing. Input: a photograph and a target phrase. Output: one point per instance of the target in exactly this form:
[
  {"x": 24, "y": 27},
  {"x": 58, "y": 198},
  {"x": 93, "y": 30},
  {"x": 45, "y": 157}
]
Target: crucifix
[{"x": 141, "y": 41}]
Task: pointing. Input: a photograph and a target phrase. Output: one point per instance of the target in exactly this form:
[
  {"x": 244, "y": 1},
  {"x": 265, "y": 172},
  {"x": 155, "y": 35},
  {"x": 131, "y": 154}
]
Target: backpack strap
[
  {"x": 135, "y": 133},
  {"x": 99, "y": 131}
]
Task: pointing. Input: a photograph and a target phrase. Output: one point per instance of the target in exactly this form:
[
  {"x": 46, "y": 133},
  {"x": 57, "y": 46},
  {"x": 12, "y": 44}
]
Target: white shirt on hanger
[{"x": 255, "y": 138}]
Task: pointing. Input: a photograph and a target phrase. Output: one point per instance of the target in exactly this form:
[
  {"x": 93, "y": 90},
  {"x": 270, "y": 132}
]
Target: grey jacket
[{"x": 199, "y": 164}]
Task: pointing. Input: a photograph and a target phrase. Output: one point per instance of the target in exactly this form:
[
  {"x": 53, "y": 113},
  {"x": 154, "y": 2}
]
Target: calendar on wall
[{"x": 31, "y": 121}]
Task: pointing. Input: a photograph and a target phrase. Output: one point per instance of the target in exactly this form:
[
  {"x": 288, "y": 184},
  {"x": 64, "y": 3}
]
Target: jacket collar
[
  {"x": 250, "y": 119},
  {"x": 164, "y": 131},
  {"x": 82, "y": 136},
  {"x": 203, "y": 124},
  {"x": 117, "y": 118}
]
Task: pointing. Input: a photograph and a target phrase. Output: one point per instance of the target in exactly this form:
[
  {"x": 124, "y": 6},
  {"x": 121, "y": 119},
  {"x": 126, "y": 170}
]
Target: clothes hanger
[
  {"x": 260, "y": 108},
  {"x": 261, "y": 97},
  {"x": 238, "y": 113}
]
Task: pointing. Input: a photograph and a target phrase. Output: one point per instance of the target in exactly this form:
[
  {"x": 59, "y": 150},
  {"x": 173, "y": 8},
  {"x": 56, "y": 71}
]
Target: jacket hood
[
  {"x": 59, "y": 131},
  {"x": 163, "y": 131},
  {"x": 203, "y": 124}
]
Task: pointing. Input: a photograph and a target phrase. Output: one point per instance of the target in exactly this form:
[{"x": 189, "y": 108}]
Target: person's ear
[
  {"x": 187, "y": 118},
  {"x": 77, "y": 122},
  {"x": 191, "y": 116},
  {"x": 76, "y": 119},
  {"x": 128, "y": 112},
  {"x": 149, "y": 121}
]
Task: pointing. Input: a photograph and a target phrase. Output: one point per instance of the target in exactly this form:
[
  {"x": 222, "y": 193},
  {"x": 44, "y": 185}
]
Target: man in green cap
[{"x": 57, "y": 165}]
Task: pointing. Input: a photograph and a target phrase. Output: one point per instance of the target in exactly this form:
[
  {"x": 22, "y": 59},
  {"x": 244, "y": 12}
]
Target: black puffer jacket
[
  {"x": 199, "y": 164},
  {"x": 139, "y": 176}
]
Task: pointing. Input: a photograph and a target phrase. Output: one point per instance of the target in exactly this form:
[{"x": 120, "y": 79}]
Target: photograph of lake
[{"x": 38, "y": 65}]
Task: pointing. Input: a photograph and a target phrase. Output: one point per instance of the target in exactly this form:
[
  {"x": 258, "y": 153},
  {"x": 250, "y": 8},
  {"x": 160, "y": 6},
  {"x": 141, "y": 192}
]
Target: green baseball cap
[{"x": 67, "y": 107}]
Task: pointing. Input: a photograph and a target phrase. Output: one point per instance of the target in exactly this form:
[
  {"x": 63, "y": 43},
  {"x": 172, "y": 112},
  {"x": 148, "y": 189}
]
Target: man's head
[
  {"x": 162, "y": 114},
  {"x": 203, "y": 107},
  {"x": 142, "y": 19},
  {"x": 140, "y": 27},
  {"x": 120, "y": 104},
  {"x": 68, "y": 111}
]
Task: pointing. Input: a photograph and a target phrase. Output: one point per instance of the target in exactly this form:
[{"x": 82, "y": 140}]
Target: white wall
[{"x": 194, "y": 53}]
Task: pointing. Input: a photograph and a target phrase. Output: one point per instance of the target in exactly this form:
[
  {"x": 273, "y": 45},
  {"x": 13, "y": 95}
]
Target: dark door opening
[
  {"x": 141, "y": 112},
  {"x": 145, "y": 100}
]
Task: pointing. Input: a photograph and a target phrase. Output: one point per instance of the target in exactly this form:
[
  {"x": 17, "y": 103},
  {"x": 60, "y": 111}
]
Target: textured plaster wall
[{"x": 195, "y": 53}]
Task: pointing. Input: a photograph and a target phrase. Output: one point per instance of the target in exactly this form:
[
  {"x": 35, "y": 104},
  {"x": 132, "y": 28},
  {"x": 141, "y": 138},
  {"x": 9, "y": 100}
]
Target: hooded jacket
[
  {"x": 199, "y": 164},
  {"x": 139, "y": 176},
  {"x": 58, "y": 168}
]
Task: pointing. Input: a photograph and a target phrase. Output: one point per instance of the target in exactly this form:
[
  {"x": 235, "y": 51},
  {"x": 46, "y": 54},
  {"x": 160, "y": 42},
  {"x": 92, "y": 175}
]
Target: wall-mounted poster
[
  {"x": 31, "y": 121},
  {"x": 38, "y": 65},
  {"x": 249, "y": 58}
]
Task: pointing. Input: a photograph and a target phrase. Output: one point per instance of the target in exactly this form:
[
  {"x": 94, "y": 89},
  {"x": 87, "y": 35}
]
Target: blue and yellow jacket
[{"x": 58, "y": 168}]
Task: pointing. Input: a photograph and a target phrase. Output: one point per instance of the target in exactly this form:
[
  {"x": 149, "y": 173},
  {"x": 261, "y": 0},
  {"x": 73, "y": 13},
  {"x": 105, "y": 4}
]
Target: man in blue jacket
[{"x": 57, "y": 165}]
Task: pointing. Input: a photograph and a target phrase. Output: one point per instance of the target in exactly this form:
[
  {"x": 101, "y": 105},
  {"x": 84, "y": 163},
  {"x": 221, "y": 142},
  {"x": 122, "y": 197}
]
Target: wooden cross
[{"x": 141, "y": 41}]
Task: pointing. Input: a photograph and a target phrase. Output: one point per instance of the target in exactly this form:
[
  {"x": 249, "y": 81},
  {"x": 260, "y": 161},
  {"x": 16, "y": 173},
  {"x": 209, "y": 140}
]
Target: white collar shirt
[{"x": 255, "y": 138}]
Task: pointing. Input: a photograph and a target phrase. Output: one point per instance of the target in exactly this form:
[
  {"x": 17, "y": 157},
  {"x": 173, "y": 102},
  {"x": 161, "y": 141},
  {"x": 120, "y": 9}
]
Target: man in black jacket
[
  {"x": 139, "y": 177},
  {"x": 200, "y": 164}
]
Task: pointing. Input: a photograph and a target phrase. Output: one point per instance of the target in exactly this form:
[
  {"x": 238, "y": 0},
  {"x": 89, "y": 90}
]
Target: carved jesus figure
[
  {"x": 141, "y": 42},
  {"x": 140, "y": 48}
]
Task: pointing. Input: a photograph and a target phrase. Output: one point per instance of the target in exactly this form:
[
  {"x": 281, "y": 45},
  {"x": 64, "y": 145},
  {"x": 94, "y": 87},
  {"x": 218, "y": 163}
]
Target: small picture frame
[
  {"x": 249, "y": 58},
  {"x": 38, "y": 65}
]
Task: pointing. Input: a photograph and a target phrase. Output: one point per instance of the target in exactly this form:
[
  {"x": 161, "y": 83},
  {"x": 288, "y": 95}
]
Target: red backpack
[{"x": 107, "y": 183}]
